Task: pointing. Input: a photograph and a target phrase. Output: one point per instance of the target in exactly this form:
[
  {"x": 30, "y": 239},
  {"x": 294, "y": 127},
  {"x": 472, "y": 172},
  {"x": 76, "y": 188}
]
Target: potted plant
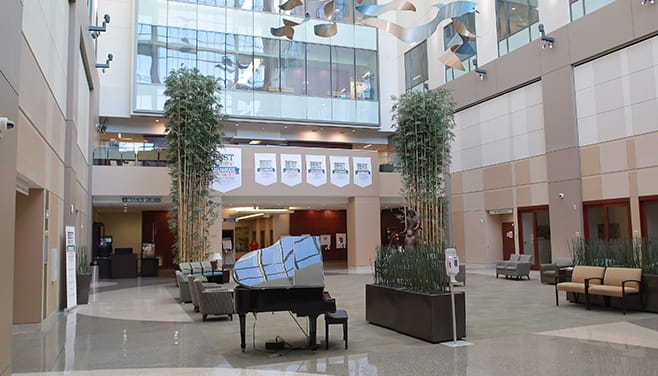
[
  {"x": 194, "y": 137},
  {"x": 625, "y": 252},
  {"x": 83, "y": 273},
  {"x": 411, "y": 289}
]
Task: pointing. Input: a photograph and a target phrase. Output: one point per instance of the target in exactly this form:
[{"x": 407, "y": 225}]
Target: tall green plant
[
  {"x": 194, "y": 136},
  {"x": 422, "y": 145},
  {"x": 625, "y": 252}
]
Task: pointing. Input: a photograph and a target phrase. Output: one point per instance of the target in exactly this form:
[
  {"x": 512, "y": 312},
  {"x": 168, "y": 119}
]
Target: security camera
[
  {"x": 560, "y": 195},
  {"x": 106, "y": 17},
  {"x": 5, "y": 124},
  {"x": 110, "y": 57}
]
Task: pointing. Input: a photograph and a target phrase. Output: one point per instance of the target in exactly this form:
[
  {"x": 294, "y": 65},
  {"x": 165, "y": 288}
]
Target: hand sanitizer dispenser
[{"x": 452, "y": 263}]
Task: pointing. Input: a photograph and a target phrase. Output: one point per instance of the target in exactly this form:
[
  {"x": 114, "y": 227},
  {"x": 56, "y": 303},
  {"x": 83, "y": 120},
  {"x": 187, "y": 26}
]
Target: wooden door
[
  {"x": 508, "y": 239},
  {"x": 155, "y": 229}
]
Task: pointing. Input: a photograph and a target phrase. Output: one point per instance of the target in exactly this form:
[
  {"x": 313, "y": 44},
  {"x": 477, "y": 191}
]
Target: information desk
[{"x": 123, "y": 266}]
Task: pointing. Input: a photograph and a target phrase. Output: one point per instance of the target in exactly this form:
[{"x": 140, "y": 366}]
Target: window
[
  {"x": 293, "y": 69},
  {"x": 608, "y": 220},
  {"x": 211, "y": 55},
  {"x": 318, "y": 70},
  {"x": 580, "y": 8},
  {"x": 151, "y": 67},
  {"x": 467, "y": 60},
  {"x": 239, "y": 62},
  {"x": 516, "y": 24},
  {"x": 649, "y": 213},
  {"x": 415, "y": 66},
  {"x": 266, "y": 64},
  {"x": 342, "y": 72},
  {"x": 366, "y": 68}
]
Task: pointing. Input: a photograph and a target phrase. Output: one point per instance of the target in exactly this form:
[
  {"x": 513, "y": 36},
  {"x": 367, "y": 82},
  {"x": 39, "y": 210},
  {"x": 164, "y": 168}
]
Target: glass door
[{"x": 535, "y": 234}]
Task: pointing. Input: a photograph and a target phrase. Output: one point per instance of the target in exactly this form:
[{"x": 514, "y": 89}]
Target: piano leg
[
  {"x": 243, "y": 321},
  {"x": 313, "y": 331}
]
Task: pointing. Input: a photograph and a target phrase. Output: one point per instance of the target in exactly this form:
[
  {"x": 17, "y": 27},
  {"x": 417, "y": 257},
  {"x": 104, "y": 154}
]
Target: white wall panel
[
  {"x": 505, "y": 128},
  {"x": 616, "y": 95}
]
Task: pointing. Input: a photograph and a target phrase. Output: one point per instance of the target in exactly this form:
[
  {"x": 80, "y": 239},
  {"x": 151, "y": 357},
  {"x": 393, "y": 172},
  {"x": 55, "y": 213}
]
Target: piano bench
[{"x": 338, "y": 317}]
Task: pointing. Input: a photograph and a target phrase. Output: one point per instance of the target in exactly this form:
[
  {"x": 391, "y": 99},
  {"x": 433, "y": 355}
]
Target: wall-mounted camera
[
  {"x": 560, "y": 195},
  {"x": 5, "y": 125}
]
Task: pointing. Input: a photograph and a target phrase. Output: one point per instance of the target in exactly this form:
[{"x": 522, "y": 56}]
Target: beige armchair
[{"x": 194, "y": 294}]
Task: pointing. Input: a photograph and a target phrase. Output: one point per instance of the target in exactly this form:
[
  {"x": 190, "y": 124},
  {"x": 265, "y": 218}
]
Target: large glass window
[
  {"x": 415, "y": 66},
  {"x": 210, "y": 55},
  {"x": 266, "y": 64},
  {"x": 151, "y": 66},
  {"x": 342, "y": 72},
  {"x": 239, "y": 62},
  {"x": 293, "y": 69},
  {"x": 604, "y": 221},
  {"x": 580, "y": 8},
  {"x": 366, "y": 69},
  {"x": 515, "y": 22},
  {"x": 181, "y": 48},
  {"x": 468, "y": 61},
  {"x": 318, "y": 70}
]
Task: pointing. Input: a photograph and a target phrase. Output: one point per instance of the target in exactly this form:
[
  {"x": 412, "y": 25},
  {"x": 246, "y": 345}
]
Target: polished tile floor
[{"x": 136, "y": 327}]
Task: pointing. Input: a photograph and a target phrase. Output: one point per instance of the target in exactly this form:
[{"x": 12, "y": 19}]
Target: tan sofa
[
  {"x": 617, "y": 282},
  {"x": 578, "y": 277}
]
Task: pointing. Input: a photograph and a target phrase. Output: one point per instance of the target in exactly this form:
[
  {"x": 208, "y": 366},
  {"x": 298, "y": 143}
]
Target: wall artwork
[
  {"x": 265, "y": 168},
  {"x": 325, "y": 242},
  {"x": 228, "y": 174},
  {"x": 341, "y": 241},
  {"x": 340, "y": 170}
]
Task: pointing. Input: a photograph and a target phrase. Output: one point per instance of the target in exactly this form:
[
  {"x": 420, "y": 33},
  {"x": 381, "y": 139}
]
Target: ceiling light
[
  {"x": 255, "y": 142},
  {"x": 367, "y": 146},
  {"x": 157, "y": 120},
  {"x": 250, "y": 216}
]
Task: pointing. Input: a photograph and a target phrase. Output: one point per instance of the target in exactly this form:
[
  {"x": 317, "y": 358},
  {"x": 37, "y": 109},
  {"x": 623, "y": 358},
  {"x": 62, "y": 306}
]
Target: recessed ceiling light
[
  {"x": 255, "y": 142},
  {"x": 353, "y": 130},
  {"x": 367, "y": 146},
  {"x": 157, "y": 120},
  {"x": 237, "y": 125}
]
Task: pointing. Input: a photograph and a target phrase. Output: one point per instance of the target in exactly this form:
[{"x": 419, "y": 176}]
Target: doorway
[
  {"x": 155, "y": 229},
  {"x": 508, "y": 239},
  {"x": 535, "y": 234}
]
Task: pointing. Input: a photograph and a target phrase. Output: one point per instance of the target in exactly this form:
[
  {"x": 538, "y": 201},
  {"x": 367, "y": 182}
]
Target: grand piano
[{"x": 287, "y": 276}]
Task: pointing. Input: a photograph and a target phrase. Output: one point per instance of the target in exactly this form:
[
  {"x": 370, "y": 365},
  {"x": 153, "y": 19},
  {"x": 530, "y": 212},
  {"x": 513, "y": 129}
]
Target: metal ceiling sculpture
[{"x": 453, "y": 10}]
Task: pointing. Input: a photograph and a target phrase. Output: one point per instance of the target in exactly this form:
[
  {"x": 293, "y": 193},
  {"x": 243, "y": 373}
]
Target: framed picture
[
  {"x": 341, "y": 241},
  {"x": 325, "y": 242}
]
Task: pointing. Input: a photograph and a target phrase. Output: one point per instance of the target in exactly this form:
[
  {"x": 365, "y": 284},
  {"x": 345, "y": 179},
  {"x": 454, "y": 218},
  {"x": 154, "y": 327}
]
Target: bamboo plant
[
  {"x": 194, "y": 137},
  {"x": 422, "y": 144},
  {"x": 624, "y": 252}
]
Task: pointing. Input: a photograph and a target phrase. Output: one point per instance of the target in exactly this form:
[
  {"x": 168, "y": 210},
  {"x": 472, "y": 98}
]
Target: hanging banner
[
  {"x": 228, "y": 174},
  {"x": 265, "y": 168},
  {"x": 291, "y": 169},
  {"x": 362, "y": 171},
  {"x": 316, "y": 170},
  {"x": 71, "y": 287},
  {"x": 340, "y": 170}
]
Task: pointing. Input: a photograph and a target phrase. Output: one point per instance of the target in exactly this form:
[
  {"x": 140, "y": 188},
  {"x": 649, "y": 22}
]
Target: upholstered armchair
[
  {"x": 183, "y": 288},
  {"x": 549, "y": 273},
  {"x": 214, "y": 301},
  {"x": 194, "y": 293},
  {"x": 502, "y": 264}
]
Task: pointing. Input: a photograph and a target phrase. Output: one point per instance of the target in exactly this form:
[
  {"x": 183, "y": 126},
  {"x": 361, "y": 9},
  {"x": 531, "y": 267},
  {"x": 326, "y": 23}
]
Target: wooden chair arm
[
  {"x": 589, "y": 279},
  {"x": 623, "y": 283}
]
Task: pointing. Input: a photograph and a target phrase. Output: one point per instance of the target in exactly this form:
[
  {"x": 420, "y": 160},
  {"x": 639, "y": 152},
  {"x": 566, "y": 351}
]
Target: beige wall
[
  {"x": 10, "y": 29},
  {"x": 363, "y": 231},
  {"x": 125, "y": 229}
]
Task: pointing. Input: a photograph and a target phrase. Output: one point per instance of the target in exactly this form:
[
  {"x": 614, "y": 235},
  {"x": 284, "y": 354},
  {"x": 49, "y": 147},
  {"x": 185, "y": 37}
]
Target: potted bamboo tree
[
  {"x": 194, "y": 137},
  {"x": 83, "y": 274},
  {"x": 411, "y": 289}
]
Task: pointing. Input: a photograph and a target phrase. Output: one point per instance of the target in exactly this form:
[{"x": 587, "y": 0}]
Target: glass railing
[{"x": 129, "y": 154}]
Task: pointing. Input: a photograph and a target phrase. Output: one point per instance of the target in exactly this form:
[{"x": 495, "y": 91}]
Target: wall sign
[
  {"x": 362, "y": 171},
  {"x": 340, "y": 170},
  {"x": 228, "y": 175},
  {"x": 265, "y": 168},
  {"x": 71, "y": 287},
  {"x": 291, "y": 169},
  {"x": 141, "y": 199},
  {"x": 316, "y": 170}
]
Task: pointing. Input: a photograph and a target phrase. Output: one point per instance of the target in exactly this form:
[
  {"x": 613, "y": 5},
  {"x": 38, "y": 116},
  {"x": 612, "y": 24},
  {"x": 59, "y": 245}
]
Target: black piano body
[{"x": 303, "y": 301}]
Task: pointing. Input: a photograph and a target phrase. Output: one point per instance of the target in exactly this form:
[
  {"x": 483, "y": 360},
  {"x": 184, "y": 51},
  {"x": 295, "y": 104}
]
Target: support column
[{"x": 363, "y": 231}]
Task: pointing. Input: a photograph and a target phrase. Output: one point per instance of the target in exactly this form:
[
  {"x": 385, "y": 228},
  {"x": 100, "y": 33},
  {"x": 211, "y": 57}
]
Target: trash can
[{"x": 93, "y": 266}]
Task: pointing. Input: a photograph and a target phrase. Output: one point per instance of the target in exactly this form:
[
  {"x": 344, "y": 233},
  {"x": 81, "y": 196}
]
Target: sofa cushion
[
  {"x": 581, "y": 272},
  {"x": 615, "y": 276},
  {"x": 611, "y": 290},
  {"x": 525, "y": 258}
]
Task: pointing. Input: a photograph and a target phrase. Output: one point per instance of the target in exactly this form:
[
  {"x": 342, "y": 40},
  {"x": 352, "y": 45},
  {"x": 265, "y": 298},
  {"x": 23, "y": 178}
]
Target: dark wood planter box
[
  {"x": 82, "y": 284},
  {"x": 424, "y": 316},
  {"x": 649, "y": 295}
]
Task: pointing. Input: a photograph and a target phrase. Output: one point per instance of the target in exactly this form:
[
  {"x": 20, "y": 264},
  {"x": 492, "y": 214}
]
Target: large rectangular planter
[
  {"x": 424, "y": 316},
  {"x": 649, "y": 291}
]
